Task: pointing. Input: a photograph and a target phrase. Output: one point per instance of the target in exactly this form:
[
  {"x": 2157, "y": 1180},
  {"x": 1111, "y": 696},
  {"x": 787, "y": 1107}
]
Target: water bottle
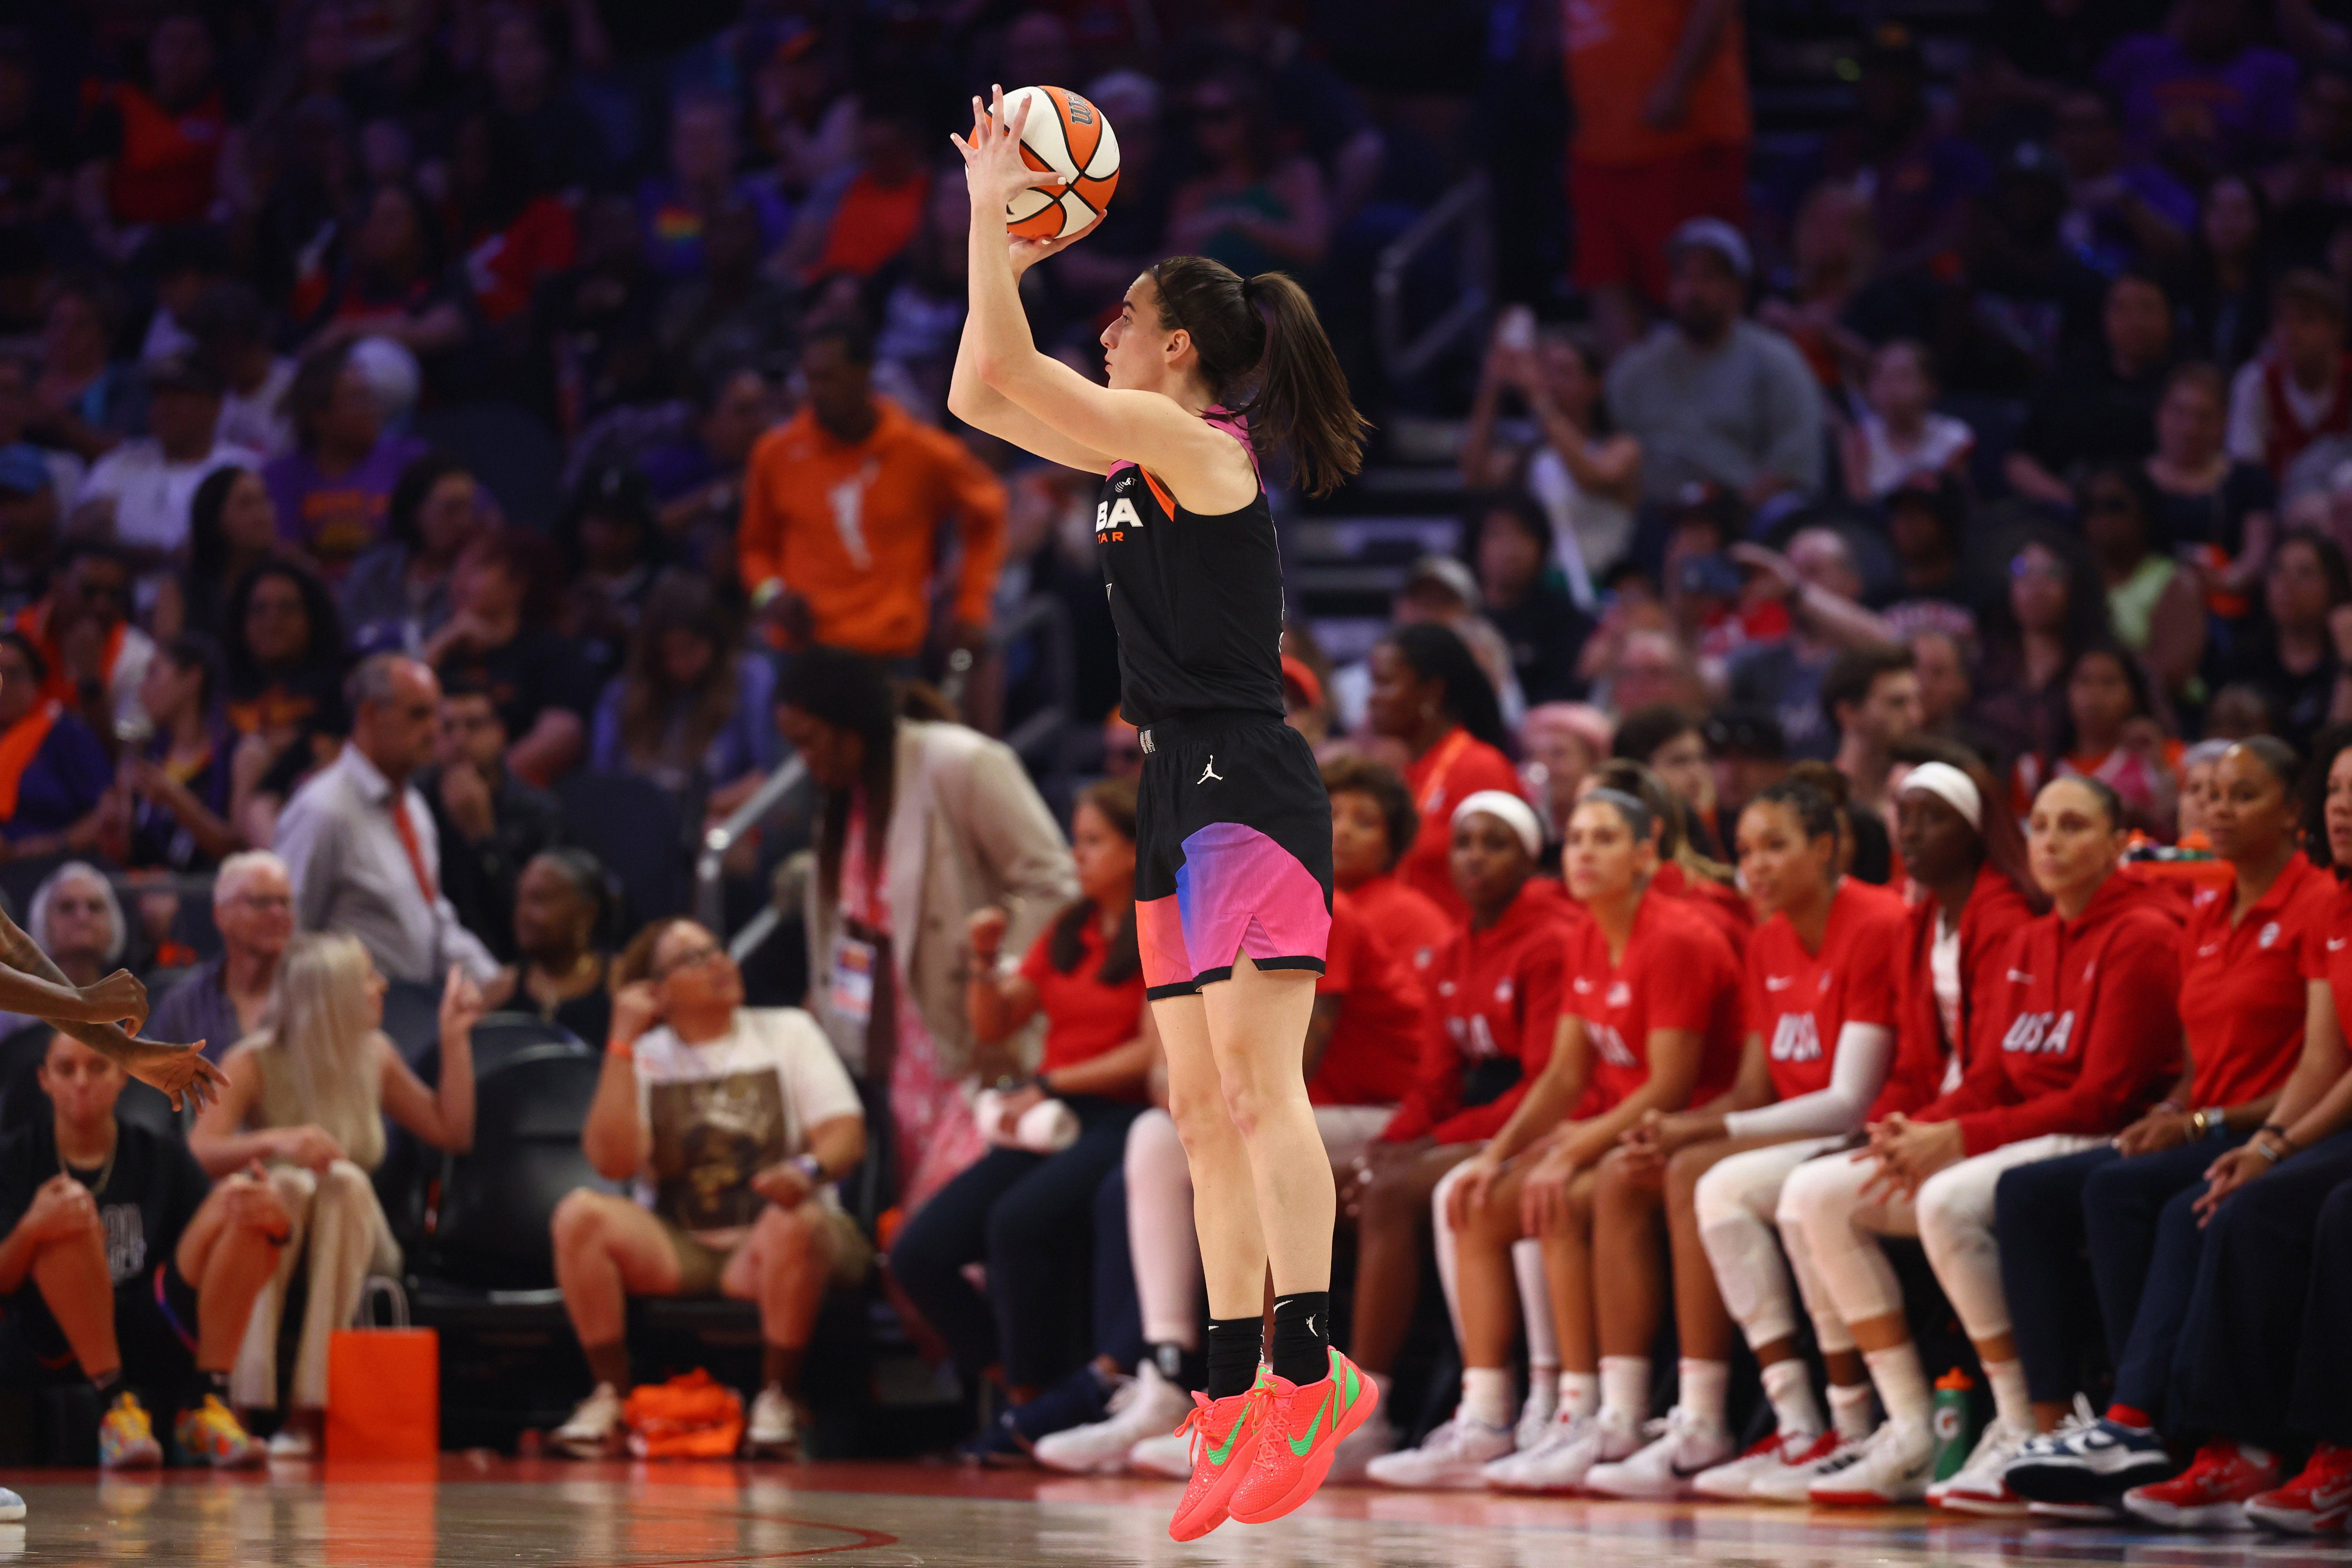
[{"x": 1953, "y": 1422}]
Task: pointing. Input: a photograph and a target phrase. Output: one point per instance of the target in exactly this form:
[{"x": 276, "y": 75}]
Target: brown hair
[
  {"x": 1065, "y": 943},
  {"x": 1672, "y": 815},
  {"x": 1260, "y": 334},
  {"x": 679, "y": 602},
  {"x": 636, "y": 962},
  {"x": 2310, "y": 288},
  {"x": 1388, "y": 792}
]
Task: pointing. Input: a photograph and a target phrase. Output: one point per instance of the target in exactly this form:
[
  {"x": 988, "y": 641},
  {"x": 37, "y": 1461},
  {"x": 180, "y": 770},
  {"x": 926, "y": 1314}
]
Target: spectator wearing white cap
[{"x": 1711, "y": 396}]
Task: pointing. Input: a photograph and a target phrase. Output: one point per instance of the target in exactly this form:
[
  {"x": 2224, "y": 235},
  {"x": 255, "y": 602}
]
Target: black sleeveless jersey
[{"x": 1197, "y": 600}]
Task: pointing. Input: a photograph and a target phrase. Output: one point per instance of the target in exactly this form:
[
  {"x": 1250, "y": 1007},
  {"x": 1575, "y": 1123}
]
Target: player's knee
[{"x": 579, "y": 1219}]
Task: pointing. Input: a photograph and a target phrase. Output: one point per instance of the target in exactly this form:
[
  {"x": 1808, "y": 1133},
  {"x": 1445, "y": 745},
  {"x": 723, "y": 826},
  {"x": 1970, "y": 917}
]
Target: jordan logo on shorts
[{"x": 1209, "y": 773}]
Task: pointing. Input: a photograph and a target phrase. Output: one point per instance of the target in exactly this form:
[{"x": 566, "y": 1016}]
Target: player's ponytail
[{"x": 1260, "y": 336}]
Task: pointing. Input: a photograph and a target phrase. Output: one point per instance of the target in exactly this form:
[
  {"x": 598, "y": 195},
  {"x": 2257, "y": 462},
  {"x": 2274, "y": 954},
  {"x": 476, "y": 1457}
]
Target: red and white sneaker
[
  {"x": 2211, "y": 1493},
  {"x": 1224, "y": 1435},
  {"x": 1304, "y": 1425},
  {"x": 2316, "y": 1502},
  {"x": 1977, "y": 1487},
  {"x": 1770, "y": 1456}
]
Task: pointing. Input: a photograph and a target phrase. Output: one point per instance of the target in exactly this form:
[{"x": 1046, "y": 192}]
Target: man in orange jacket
[{"x": 842, "y": 508}]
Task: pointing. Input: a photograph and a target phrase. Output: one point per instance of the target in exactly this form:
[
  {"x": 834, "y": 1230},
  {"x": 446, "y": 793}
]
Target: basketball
[{"x": 1064, "y": 136}]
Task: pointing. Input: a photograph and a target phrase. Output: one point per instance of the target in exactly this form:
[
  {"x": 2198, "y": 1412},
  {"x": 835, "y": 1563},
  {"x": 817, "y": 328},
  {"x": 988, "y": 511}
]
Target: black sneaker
[{"x": 2088, "y": 1461}]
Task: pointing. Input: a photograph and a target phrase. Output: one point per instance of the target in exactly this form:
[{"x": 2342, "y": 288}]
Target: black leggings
[{"x": 1030, "y": 1218}]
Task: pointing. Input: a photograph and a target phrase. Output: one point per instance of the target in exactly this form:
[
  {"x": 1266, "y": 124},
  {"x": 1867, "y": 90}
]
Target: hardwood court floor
[{"x": 487, "y": 1513}]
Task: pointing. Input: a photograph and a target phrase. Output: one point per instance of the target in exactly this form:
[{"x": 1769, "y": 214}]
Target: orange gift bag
[
  {"x": 383, "y": 1388},
  {"x": 688, "y": 1417}
]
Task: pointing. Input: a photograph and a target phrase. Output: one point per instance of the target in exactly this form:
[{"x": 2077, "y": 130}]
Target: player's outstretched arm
[{"x": 31, "y": 982}]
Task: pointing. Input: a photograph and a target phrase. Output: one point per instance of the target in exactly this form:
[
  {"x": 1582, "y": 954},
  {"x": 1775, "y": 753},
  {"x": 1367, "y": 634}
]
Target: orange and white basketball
[{"x": 1065, "y": 135}]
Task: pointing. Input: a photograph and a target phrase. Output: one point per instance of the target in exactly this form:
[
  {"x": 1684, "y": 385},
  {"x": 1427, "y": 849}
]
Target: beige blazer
[{"x": 967, "y": 830}]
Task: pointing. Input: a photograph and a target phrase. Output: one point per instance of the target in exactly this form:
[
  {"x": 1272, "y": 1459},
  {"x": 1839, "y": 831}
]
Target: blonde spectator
[{"x": 307, "y": 1097}]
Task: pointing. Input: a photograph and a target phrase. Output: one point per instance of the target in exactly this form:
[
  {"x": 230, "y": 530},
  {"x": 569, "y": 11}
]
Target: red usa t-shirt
[
  {"x": 1405, "y": 919},
  {"x": 1084, "y": 1017},
  {"x": 1383, "y": 1007},
  {"x": 1678, "y": 973},
  {"x": 1798, "y": 1002},
  {"x": 2242, "y": 987},
  {"x": 2329, "y": 957}
]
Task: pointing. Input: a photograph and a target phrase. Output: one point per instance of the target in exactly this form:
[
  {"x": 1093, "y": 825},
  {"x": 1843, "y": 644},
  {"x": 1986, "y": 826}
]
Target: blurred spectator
[
  {"x": 501, "y": 638},
  {"x": 397, "y": 595},
  {"x": 1926, "y": 522},
  {"x": 895, "y": 884},
  {"x": 1510, "y": 542},
  {"x": 225, "y": 997},
  {"x": 1560, "y": 743},
  {"x": 1437, "y": 590},
  {"x": 679, "y": 207},
  {"x": 2298, "y": 393},
  {"x": 140, "y": 491},
  {"x": 1820, "y": 583},
  {"x": 692, "y": 709},
  {"x": 510, "y": 235},
  {"x": 2225, "y": 298},
  {"x": 922, "y": 316},
  {"x": 1588, "y": 480},
  {"x": 18, "y": 415},
  {"x": 2198, "y": 766},
  {"x": 1670, "y": 742},
  {"x": 1750, "y": 755},
  {"x": 1122, "y": 749},
  {"x": 82, "y": 628},
  {"x": 728, "y": 311},
  {"x": 232, "y": 528},
  {"x": 534, "y": 108},
  {"x": 1428, "y": 693},
  {"x": 1712, "y": 397},
  {"x": 2110, "y": 734},
  {"x": 2309, "y": 184},
  {"x": 2240, "y": 710},
  {"x": 595, "y": 343},
  {"x": 1374, "y": 821},
  {"x": 490, "y": 822},
  {"x": 1661, "y": 136},
  {"x": 804, "y": 116},
  {"x": 180, "y": 265},
  {"x": 1833, "y": 253},
  {"x": 1303, "y": 706},
  {"x": 1899, "y": 438},
  {"x": 333, "y": 490},
  {"x": 310, "y": 1093},
  {"x": 173, "y": 797},
  {"x": 2054, "y": 608},
  {"x": 29, "y": 526},
  {"x": 2153, "y": 604},
  {"x": 1920, "y": 176},
  {"x": 1941, "y": 662},
  {"x": 721, "y": 1204},
  {"x": 1132, "y": 232},
  {"x": 360, "y": 843},
  {"x": 82, "y": 401},
  {"x": 843, "y": 510},
  {"x": 1872, "y": 698},
  {"x": 2296, "y": 654},
  {"x": 285, "y": 656},
  {"x": 397, "y": 284},
  {"x": 613, "y": 547},
  {"x": 2199, "y": 94},
  {"x": 2123, "y": 209},
  {"x": 1648, "y": 665},
  {"x": 2218, "y": 510},
  {"x": 2100, "y": 408},
  {"x": 865, "y": 215},
  {"x": 77, "y": 920},
  {"x": 563, "y": 906},
  {"x": 153, "y": 152},
  {"x": 697, "y": 483},
  {"x": 1251, "y": 206}
]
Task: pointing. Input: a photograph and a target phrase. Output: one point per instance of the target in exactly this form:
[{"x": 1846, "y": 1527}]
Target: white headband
[
  {"x": 1952, "y": 786},
  {"x": 1517, "y": 813}
]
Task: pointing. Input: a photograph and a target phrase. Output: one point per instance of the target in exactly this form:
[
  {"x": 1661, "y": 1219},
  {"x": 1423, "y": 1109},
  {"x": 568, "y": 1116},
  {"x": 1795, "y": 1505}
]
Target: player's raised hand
[{"x": 994, "y": 172}]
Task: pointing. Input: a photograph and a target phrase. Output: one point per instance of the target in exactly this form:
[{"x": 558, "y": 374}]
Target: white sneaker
[
  {"x": 1536, "y": 1414},
  {"x": 1665, "y": 1467},
  {"x": 1351, "y": 1462},
  {"x": 1736, "y": 1480},
  {"x": 1977, "y": 1487},
  {"x": 1560, "y": 1463},
  {"x": 1793, "y": 1482},
  {"x": 1144, "y": 1405},
  {"x": 593, "y": 1433},
  {"x": 773, "y": 1431},
  {"x": 12, "y": 1507},
  {"x": 292, "y": 1443},
  {"x": 1169, "y": 1454},
  {"x": 1893, "y": 1467},
  {"x": 1448, "y": 1459}
]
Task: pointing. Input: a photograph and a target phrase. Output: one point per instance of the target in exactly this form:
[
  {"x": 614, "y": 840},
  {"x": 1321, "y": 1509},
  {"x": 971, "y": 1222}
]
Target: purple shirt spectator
[
  {"x": 335, "y": 517},
  {"x": 2232, "y": 111},
  {"x": 673, "y": 225}
]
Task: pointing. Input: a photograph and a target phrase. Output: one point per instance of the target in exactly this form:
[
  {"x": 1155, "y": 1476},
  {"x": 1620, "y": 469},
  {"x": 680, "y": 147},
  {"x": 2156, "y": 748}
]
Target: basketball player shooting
[{"x": 1208, "y": 372}]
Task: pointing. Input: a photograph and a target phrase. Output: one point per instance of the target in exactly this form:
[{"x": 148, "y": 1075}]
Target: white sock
[
  {"x": 1625, "y": 1388},
  {"x": 1543, "y": 1389},
  {"x": 2010, "y": 1401},
  {"x": 1902, "y": 1384},
  {"x": 1849, "y": 1411},
  {"x": 1486, "y": 1395},
  {"x": 1580, "y": 1395},
  {"x": 1790, "y": 1387},
  {"x": 1703, "y": 1388}
]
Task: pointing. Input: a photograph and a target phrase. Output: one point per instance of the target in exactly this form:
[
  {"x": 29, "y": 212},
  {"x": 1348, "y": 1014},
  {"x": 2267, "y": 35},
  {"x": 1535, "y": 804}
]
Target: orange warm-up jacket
[{"x": 853, "y": 527}]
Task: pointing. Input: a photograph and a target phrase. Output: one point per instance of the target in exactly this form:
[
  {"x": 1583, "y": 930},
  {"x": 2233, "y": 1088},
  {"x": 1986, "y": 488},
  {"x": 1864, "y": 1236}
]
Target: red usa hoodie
[
  {"x": 1996, "y": 911},
  {"x": 2093, "y": 1030}
]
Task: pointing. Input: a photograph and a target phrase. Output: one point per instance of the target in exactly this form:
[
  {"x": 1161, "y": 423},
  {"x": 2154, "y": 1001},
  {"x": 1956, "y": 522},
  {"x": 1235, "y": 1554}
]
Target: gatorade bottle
[{"x": 1956, "y": 1432}]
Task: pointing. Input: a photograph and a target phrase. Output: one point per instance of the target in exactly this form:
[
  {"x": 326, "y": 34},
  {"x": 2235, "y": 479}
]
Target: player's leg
[
  {"x": 226, "y": 1257},
  {"x": 786, "y": 1265},
  {"x": 608, "y": 1248}
]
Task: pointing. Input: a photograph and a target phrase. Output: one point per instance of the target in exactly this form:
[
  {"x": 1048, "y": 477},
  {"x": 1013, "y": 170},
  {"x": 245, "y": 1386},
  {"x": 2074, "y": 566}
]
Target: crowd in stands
[{"x": 1873, "y": 769}]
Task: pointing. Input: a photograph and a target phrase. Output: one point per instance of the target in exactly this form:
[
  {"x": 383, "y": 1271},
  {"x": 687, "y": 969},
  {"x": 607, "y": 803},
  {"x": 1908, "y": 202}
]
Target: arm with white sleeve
[{"x": 1856, "y": 1073}]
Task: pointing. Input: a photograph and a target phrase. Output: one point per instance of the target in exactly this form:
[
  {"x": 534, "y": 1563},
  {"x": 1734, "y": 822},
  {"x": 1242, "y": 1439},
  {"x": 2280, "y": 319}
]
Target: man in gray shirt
[
  {"x": 1713, "y": 397},
  {"x": 359, "y": 841}
]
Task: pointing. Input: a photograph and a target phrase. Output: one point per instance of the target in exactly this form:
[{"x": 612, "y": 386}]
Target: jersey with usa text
[
  {"x": 1798, "y": 1003},
  {"x": 1197, "y": 599},
  {"x": 1677, "y": 973}
]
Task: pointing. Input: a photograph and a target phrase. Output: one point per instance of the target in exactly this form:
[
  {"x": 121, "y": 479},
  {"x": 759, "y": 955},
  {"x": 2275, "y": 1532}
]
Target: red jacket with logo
[
  {"x": 1996, "y": 911},
  {"x": 2093, "y": 1032},
  {"x": 1494, "y": 1006}
]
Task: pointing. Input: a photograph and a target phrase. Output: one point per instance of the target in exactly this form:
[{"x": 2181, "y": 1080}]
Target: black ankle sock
[
  {"x": 1302, "y": 1336},
  {"x": 213, "y": 1382},
  {"x": 1183, "y": 1368},
  {"x": 1233, "y": 1347}
]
